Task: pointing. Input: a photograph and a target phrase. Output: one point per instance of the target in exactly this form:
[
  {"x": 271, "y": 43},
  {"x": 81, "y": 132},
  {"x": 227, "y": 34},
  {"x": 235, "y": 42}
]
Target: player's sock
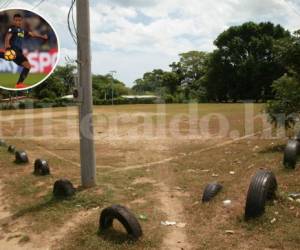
[{"x": 23, "y": 75}]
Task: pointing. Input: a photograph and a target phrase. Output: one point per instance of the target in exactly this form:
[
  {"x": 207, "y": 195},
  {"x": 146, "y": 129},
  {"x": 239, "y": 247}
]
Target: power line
[
  {"x": 6, "y": 4},
  {"x": 292, "y": 7},
  {"x": 73, "y": 21},
  {"x": 38, "y": 4},
  {"x": 71, "y": 16}
]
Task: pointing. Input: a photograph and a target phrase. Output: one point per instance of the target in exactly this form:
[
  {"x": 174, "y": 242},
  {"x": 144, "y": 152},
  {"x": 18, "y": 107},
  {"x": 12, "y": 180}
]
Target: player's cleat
[{"x": 20, "y": 85}]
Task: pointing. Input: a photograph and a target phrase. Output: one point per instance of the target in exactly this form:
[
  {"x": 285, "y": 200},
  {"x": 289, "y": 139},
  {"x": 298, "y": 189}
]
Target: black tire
[
  {"x": 291, "y": 153},
  {"x": 11, "y": 149},
  {"x": 41, "y": 167},
  {"x": 63, "y": 189},
  {"x": 210, "y": 191},
  {"x": 21, "y": 157},
  {"x": 263, "y": 187},
  {"x": 124, "y": 216}
]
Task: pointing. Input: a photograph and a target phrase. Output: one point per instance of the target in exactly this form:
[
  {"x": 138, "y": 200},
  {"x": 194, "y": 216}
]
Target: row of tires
[
  {"x": 262, "y": 188},
  {"x": 263, "y": 185},
  {"x": 41, "y": 167},
  {"x": 64, "y": 188}
]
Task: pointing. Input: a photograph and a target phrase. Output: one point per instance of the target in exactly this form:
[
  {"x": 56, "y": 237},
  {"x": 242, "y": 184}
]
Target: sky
[{"x": 136, "y": 36}]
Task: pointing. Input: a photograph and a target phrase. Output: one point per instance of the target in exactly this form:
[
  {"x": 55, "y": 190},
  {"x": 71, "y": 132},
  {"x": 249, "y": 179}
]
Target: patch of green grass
[
  {"x": 49, "y": 211},
  {"x": 9, "y": 80},
  {"x": 89, "y": 238},
  {"x": 24, "y": 186},
  {"x": 120, "y": 185}
]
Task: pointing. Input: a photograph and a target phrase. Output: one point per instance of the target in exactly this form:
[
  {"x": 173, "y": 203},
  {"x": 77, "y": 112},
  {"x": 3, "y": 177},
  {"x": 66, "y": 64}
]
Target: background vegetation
[{"x": 253, "y": 61}]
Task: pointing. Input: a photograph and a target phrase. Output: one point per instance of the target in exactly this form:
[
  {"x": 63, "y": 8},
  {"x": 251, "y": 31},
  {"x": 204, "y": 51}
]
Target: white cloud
[
  {"x": 129, "y": 65},
  {"x": 133, "y": 36}
]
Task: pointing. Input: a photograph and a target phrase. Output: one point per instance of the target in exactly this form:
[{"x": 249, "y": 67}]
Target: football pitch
[
  {"x": 155, "y": 159},
  {"x": 8, "y": 80}
]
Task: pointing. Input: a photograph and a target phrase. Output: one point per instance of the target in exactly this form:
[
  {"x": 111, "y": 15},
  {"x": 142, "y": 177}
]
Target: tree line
[
  {"x": 63, "y": 82},
  {"x": 247, "y": 60}
]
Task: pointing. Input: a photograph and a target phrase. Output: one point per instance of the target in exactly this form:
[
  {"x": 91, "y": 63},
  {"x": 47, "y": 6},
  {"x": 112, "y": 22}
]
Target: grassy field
[
  {"x": 9, "y": 80},
  {"x": 155, "y": 168}
]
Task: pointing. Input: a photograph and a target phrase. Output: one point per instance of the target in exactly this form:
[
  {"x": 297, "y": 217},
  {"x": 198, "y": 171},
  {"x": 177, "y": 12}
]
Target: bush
[
  {"x": 167, "y": 98},
  {"x": 28, "y": 104},
  {"x": 45, "y": 93},
  {"x": 45, "y": 103},
  {"x": 47, "y": 100},
  {"x": 7, "y": 106},
  {"x": 284, "y": 109}
]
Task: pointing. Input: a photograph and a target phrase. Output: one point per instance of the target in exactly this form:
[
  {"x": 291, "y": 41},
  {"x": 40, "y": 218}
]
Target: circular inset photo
[{"x": 29, "y": 49}]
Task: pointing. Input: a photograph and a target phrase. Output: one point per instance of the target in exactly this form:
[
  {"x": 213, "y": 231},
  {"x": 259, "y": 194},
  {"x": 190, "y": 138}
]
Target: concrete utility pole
[{"x": 87, "y": 151}]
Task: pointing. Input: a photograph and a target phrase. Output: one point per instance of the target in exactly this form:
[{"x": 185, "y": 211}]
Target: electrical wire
[
  {"x": 38, "y": 4},
  {"x": 8, "y": 3},
  {"x": 292, "y": 7},
  {"x": 5, "y": 4},
  {"x": 71, "y": 16},
  {"x": 73, "y": 21}
]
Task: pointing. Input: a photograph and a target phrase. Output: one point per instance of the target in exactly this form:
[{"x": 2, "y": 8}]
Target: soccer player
[{"x": 14, "y": 40}]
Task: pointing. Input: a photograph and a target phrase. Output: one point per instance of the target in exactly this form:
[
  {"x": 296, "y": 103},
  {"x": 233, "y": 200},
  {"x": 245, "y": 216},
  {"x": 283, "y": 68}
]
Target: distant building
[
  {"x": 139, "y": 96},
  {"x": 68, "y": 97}
]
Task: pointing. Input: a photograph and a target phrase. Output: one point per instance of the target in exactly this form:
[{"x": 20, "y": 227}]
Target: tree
[
  {"x": 103, "y": 84},
  {"x": 245, "y": 60},
  {"x": 284, "y": 109},
  {"x": 66, "y": 73},
  {"x": 191, "y": 66},
  {"x": 287, "y": 51},
  {"x": 59, "y": 84},
  {"x": 190, "y": 70},
  {"x": 287, "y": 88},
  {"x": 52, "y": 88},
  {"x": 158, "y": 81}
]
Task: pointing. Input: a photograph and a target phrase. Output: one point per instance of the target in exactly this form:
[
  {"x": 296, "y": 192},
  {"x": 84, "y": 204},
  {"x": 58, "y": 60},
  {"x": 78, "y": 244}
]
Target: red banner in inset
[{"x": 42, "y": 62}]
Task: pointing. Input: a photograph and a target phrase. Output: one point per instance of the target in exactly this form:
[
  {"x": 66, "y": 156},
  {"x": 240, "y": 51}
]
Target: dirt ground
[{"x": 156, "y": 160}]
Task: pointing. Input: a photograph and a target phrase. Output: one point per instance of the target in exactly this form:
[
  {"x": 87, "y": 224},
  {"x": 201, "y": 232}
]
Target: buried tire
[
  {"x": 210, "y": 191},
  {"x": 263, "y": 187},
  {"x": 41, "y": 167},
  {"x": 124, "y": 216},
  {"x": 21, "y": 157},
  {"x": 11, "y": 149},
  {"x": 291, "y": 153},
  {"x": 63, "y": 189}
]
